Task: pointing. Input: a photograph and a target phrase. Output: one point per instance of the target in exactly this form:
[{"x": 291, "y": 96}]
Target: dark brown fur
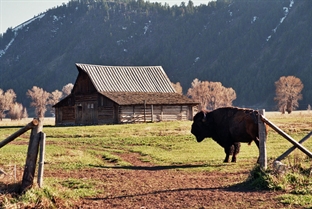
[{"x": 227, "y": 126}]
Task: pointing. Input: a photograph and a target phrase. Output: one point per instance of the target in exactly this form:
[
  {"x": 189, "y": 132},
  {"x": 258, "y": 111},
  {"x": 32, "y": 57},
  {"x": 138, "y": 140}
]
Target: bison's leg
[
  {"x": 236, "y": 147},
  {"x": 228, "y": 151}
]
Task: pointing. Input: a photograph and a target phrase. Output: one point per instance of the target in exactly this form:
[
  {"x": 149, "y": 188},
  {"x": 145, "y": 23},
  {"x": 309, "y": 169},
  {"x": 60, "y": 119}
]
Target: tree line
[
  {"x": 213, "y": 95},
  {"x": 210, "y": 95},
  {"x": 41, "y": 101}
]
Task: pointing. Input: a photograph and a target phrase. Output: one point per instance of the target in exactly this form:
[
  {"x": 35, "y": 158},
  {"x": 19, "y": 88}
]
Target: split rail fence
[
  {"x": 36, "y": 143},
  {"x": 262, "y": 138}
]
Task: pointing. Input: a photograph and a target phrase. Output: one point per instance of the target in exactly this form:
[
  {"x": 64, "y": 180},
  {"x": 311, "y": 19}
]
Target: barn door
[
  {"x": 90, "y": 113},
  {"x": 79, "y": 114}
]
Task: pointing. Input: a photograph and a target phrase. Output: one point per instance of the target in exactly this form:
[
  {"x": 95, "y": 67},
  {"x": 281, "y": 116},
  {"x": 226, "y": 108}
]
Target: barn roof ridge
[{"x": 127, "y": 66}]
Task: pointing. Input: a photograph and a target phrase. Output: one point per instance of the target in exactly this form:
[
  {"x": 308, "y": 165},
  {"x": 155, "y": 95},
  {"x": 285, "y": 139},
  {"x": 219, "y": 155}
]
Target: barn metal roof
[{"x": 128, "y": 78}]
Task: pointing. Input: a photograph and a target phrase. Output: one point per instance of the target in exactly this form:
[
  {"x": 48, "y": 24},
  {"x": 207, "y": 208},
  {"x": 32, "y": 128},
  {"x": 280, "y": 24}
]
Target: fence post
[
  {"x": 262, "y": 141},
  {"x": 31, "y": 160},
  {"x": 41, "y": 158}
]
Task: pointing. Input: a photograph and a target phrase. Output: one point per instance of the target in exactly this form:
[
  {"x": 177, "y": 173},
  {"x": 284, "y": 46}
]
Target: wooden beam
[
  {"x": 41, "y": 158},
  {"x": 144, "y": 111},
  {"x": 30, "y": 125},
  {"x": 285, "y": 154},
  {"x": 286, "y": 136},
  {"x": 31, "y": 160},
  {"x": 152, "y": 113},
  {"x": 262, "y": 141}
]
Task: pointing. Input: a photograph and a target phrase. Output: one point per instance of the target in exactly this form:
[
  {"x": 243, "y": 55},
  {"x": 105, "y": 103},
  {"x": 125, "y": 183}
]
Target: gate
[
  {"x": 36, "y": 143},
  {"x": 262, "y": 138}
]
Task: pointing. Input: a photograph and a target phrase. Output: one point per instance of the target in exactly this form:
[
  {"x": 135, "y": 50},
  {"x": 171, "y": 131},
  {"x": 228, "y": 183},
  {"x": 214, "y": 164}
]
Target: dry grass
[
  {"x": 275, "y": 114},
  {"x": 25, "y": 121}
]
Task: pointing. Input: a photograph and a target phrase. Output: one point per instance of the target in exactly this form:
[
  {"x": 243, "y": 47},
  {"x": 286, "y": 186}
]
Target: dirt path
[{"x": 143, "y": 185}]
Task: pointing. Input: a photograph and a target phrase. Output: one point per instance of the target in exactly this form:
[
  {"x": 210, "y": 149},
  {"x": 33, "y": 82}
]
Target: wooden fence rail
[
  {"x": 36, "y": 137},
  {"x": 29, "y": 126},
  {"x": 262, "y": 141},
  {"x": 286, "y": 136},
  {"x": 285, "y": 154}
]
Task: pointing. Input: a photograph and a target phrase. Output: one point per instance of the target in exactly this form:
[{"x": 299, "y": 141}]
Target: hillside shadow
[
  {"x": 158, "y": 167},
  {"x": 10, "y": 188},
  {"x": 242, "y": 187},
  {"x": 11, "y": 127}
]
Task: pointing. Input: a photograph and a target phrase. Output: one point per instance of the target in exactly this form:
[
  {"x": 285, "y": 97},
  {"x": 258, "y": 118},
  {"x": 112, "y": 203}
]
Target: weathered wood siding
[
  {"x": 154, "y": 113},
  {"x": 107, "y": 111},
  {"x": 83, "y": 85},
  {"x": 65, "y": 115},
  {"x": 86, "y": 109}
]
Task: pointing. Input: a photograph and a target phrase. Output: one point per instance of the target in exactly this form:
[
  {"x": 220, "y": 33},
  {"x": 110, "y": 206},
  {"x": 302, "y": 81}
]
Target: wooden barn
[{"x": 122, "y": 94}]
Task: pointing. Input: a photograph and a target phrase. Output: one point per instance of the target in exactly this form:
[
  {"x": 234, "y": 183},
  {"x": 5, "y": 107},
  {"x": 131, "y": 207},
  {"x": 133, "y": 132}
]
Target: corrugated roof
[{"x": 128, "y": 78}]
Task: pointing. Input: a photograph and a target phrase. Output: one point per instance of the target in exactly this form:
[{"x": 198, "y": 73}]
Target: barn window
[
  {"x": 101, "y": 101},
  {"x": 104, "y": 102}
]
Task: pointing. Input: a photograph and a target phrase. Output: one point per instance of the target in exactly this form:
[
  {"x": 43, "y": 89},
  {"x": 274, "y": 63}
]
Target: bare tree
[
  {"x": 224, "y": 97},
  {"x": 25, "y": 114},
  {"x": 67, "y": 89},
  {"x": 199, "y": 93},
  {"x": 40, "y": 100},
  {"x": 211, "y": 95},
  {"x": 177, "y": 86},
  {"x": 16, "y": 111},
  {"x": 288, "y": 92},
  {"x": 54, "y": 98},
  {"x": 6, "y": 100}
]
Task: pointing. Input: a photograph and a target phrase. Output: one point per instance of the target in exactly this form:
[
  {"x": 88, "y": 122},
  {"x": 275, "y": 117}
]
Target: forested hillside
[{"x": 246, "y": 45}]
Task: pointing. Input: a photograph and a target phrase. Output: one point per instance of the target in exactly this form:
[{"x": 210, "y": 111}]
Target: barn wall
[
  {"x": 65, "y": 115},
  {"x": 86, "y": 109},
  {"x": 154, "y": 113},
  {"x": 107, "y": 111},
  {"x": 83, "y": 85}
]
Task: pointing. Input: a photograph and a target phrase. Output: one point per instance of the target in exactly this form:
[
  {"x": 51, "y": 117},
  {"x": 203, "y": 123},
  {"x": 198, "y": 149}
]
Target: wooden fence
[
  {"x": 262, "y": 138},
  {"x": 36, "y": 142}
]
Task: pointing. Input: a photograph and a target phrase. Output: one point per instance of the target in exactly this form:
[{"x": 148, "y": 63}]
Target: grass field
[{"x": 77, "y": 148}]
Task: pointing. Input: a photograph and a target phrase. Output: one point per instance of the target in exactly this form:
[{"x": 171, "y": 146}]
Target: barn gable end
[{"x": 122, "y": 94}]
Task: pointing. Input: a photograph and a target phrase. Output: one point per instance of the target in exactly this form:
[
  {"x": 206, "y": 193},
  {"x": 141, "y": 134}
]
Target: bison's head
[{"x": 202, "y": 126}]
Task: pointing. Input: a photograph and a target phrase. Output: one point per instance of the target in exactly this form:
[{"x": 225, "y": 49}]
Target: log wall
[
  {"x": 96, "y": 109},
  {"x": 153, "y": 113}
]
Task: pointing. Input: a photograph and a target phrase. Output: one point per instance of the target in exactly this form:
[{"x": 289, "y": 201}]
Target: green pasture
[{"x": 163, "y": 144}]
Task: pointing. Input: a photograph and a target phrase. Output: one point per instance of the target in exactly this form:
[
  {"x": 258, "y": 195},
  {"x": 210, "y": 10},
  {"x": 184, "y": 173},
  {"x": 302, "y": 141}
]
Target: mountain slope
[{"x": 246, "y": 45}]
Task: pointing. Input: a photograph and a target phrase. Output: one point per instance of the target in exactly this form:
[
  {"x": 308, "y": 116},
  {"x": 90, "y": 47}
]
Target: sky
[{"x": 15, "y": 12}]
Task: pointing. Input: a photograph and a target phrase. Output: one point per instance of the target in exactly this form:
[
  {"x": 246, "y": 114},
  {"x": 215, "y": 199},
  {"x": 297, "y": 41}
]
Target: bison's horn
[{"x": 204, "y": 119}]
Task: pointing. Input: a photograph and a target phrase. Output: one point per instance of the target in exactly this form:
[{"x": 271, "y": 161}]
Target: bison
[{"x": 228, "y": 126}]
